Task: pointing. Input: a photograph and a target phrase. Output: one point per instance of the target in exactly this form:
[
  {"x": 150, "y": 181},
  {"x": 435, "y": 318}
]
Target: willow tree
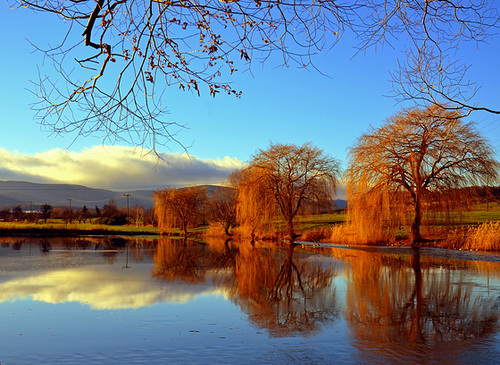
[
  {"x": 179, "y": 208},
  {"x": 221, "y": 205},
  {"x": 118, "y": 56},
  {"x": 286, "y": 179},
  {"x": 417, "y": 158}
]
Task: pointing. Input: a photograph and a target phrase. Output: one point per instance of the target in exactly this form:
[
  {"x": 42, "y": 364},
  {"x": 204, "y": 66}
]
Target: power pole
[
  {"x": 128, "y": 195},
  {"x": 69, "y": 199}
]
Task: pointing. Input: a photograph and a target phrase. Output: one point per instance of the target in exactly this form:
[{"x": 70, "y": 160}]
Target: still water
[{"x": 117, "y": 301}]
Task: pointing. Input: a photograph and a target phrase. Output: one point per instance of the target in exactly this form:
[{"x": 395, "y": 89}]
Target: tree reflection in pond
[
  {"x": 402, "y": 303},
  {"x": 219, "y": 302},
  {"x": 285, "y": 292},
  {"x": 281, "y": 291},
  {"x": 179, "y": 260}
]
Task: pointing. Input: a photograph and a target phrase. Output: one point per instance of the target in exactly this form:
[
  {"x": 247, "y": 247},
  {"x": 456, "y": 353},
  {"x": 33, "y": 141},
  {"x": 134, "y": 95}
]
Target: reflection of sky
[{"x": 100, "y": 287}]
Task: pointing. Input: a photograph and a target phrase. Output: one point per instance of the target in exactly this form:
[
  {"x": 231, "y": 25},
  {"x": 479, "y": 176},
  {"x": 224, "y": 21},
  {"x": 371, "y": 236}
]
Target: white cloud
[
  {"x": 101, "y": 287},
  {"x": 114, "y": 167}
]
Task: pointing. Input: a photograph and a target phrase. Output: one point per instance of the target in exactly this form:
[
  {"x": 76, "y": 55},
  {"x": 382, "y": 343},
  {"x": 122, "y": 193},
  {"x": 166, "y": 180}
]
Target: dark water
[{"x": 117, "y": 301}]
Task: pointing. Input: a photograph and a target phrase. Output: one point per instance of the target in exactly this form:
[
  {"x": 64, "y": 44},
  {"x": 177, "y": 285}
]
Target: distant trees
[
  {"x": 111, "y": 215},
  {"x": 222, "y": 204},
  {"x": 279, "y": 183},
  {"x": 420, "y": 158},
  {"x": 284, "y": 180},
  {"x": 17, "y": 213},
  {"x": 179, "y": 208},
  {"x": 45, "y": 212}
]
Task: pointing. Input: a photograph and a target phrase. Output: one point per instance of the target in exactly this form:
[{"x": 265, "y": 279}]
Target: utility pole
[
  {"x": 70, "y": 213},
  {"x": 128, "y": 195}
]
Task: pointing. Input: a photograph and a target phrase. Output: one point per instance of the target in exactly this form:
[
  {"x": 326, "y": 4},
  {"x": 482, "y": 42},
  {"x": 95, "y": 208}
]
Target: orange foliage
[{"x": 179, "y": 208}]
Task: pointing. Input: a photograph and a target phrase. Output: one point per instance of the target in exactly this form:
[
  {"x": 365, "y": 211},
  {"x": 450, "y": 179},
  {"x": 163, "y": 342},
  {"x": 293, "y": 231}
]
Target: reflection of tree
[
  {"x": 179, "y": 260},
  {"x": 45, "y": 246},
  {"x": 283, "y": 294},
  {"x": 399, "y": 303},
  {"x": 222, "y": 253}
]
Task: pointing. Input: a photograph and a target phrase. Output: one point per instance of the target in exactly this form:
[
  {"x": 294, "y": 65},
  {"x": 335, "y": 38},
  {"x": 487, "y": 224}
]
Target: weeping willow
[
  {"x": 256, "y": 207},
  {"x": 375, "y": 213},
  {"x": 420, "y": 166},
  {"x": 284, "y": 181},
  {"x": 179, "y": 208}
]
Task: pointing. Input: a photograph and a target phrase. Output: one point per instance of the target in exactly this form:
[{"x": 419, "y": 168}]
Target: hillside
[{"x": 32, "y": 195}]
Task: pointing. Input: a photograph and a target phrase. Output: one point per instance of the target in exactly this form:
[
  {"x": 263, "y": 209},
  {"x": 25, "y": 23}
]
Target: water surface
[{"x": 116, "y": 301}]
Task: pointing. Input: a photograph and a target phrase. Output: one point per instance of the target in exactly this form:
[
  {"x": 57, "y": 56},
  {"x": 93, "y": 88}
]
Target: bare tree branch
[{"x": 138, "y": 48}]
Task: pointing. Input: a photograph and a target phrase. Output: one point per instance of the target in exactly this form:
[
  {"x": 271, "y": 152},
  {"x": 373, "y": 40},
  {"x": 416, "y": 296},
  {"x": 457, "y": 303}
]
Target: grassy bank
[
  {"x": 474, "y": 230},
  {"x": 73, "y": 229}
]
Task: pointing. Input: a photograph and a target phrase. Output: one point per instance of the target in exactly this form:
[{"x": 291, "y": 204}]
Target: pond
[{"x": 159, "y": 301}]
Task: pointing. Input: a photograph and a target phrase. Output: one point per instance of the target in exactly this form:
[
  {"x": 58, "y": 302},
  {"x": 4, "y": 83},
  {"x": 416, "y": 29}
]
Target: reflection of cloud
[
  {"x": 101, "y": 287},
  {"x": 115, "y": 166}
]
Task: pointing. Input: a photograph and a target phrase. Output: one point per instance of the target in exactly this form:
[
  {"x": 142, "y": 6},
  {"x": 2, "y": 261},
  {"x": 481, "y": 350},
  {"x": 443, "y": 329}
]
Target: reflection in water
[
  {"x": 284, "y": 292},
  {"x": 408, "y": 308},
  {"x": 73, "y": 271},
  {"x": 281, "y": 292},
  {"x": 367, "y": 305},
  {"x": 179, "y": 260}
]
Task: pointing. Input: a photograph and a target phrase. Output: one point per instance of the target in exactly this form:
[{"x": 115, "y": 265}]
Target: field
[
  {"x": 458, "y": 232},
  {"x": 58, "y": 227}
]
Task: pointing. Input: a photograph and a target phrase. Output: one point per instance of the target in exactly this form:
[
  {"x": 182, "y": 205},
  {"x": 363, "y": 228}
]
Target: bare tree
[
  {"x": 222, "y": 207},
  {"x": 286, "y": 178},
  {"x": 45, "y": 211},
  {"x": 419, "y": 156},
  {"x": 179, "y": 208},
  {"x": 432, "y": 71},
  {"x": 134, "y": 49}
]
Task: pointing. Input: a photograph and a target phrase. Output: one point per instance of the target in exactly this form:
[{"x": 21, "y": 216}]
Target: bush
[
  {"x": 322, "y": 234},
  {"x": 119, "y": 220},
  {"x": 485, "y": 237}
]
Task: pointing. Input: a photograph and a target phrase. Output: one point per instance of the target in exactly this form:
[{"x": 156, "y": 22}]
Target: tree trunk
[
  {"x": 417, "y": 221},
  {"x": 226, "y": 230},
  {"x": 289, "y": 228}
]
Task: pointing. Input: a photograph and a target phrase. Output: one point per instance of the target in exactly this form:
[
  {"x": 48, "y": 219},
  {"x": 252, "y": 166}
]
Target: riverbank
[{"x": 73, "y": 230}]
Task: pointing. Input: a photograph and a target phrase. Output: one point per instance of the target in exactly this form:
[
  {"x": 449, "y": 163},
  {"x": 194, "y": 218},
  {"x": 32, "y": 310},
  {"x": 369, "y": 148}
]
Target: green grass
[
  {"x": 308, "y": 222},
  {"x": 59, "y": 225},
  {"x": 480, "y": 214}
]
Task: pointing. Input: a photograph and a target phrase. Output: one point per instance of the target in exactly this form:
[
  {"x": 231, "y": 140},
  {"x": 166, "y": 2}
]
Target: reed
[
  {"x": 484, "y": 237},
  {"x": 319, "y": 234}
]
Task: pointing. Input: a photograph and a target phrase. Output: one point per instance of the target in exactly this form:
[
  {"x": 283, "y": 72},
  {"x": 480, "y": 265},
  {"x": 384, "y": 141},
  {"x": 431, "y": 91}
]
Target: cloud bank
[
  {"x": 102, "y": 288},
  {"x": 114, "y": 167}
]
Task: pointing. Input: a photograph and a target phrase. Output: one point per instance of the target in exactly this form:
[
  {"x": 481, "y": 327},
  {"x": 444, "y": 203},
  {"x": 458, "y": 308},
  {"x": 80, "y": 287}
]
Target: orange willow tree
[
  {"x": 179, "y": 208},
  {"x": 284, "y": 180},
  {"x": 221, "y": 205},
  {"x": 418, "y": 159}
]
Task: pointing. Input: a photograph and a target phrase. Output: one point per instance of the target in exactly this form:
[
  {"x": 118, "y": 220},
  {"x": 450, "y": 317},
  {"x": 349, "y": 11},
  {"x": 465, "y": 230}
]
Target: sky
[{"x": 280, "y": 105}]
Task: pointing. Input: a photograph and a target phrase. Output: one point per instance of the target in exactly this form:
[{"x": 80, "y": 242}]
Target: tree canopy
[
  {"x": 417, "y": 158},
  {"x": 286, "y": 179},
  {"x": 126, "y": 53},
  {"x": 179, "y": 208}
]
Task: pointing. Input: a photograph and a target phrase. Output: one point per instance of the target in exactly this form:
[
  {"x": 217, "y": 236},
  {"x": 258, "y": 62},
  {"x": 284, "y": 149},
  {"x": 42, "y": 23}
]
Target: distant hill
[
  {"x": 30, "y": 195},
  {"x": 340, "y": 203}
]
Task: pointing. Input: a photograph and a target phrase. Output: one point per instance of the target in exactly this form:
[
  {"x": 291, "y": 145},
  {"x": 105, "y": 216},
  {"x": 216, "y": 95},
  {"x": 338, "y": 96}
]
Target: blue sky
[{"x": 287, "y": 105}]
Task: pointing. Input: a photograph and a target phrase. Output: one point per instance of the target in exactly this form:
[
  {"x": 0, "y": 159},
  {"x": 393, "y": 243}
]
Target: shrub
[{"x": 485, "y": 237}]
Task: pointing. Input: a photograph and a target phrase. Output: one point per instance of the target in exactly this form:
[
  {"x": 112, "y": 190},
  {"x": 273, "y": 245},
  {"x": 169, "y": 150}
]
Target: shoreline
[{"x": 70, "y": 232}]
